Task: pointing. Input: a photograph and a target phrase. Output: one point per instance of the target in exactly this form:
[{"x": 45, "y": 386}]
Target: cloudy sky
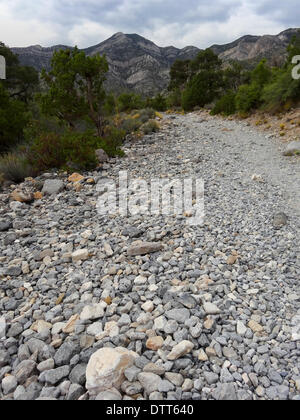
[{"x": 166, "y": 22}]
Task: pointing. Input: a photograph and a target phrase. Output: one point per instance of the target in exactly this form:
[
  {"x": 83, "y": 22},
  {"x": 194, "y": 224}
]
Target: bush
[
  {"x": 201, "y": 90},
  {"x": 174, "y": 99},
  {"x": 150, "y": 127},
  {"x": 130, "y": 125},
  {"x": 248, "y": 97},
  {"x": 46, "y": 152},
  {"x": 13, "y": 119},
  {"x": 282, "y": 92},
  {"x": 129, "y": 101},
  {"x": 51, "y": 150},
  {"x": 159, "y": 103},
  {"x": 112, "y": 141},
  {"x": 225, "y": 105},
  {"x": 14, "y": 167},
  {"x": 146, "y": 114}
]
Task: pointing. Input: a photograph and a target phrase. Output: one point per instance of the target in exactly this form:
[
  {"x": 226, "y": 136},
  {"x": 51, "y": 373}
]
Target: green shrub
[
  {"x": 130, "y": 125},
  {"x": 51, "y": 150},
  {"x": 112, "y": 141},
  {"x": 282, "y": 90},
  {"x": 225, "y": 105},
  {"x": 158, "y": 103},
  {"x": 174, "y": 99},
  {"x": 248, "y": 97},
  {"x": 14, "y": 167},
  {"x": 129, "y": 101},
  {"x": 13, "y": 119},
  {"x": 146, "y": 114},
  {"x": 201, "y": 90},
  {"x": 150, "y": 127},
  {"x": 46, "y": 152}
]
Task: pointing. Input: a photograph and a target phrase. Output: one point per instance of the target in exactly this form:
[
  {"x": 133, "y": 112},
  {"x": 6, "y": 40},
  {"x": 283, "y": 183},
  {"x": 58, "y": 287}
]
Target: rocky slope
[
  {"x": 197, "y": 312},
  {"x": 138, "y": 64},
  {"x": 254, "y": 48}
]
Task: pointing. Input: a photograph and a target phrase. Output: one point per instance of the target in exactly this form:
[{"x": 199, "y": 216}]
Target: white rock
[
  {"x": 107, "y": 248},
  {"x": 159, "y": 323},
  {"x": 80, "y": 255},
  {"x": 2, "y": 327},
  {"x": 211, "y": 308},
  {"x": 91, "y": 312},
  {"x": 180, "y": 350},
  {"x": 241, "y": 329},
  {"x": 148, "y": 306},
  {"x": 105, "y": 369},
  {"x": 94, "y": 329}
]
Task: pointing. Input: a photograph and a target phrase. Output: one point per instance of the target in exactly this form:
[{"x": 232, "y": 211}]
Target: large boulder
[{"x": 106, "y": 367}]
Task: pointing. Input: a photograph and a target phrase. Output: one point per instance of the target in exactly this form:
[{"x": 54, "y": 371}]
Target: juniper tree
[{"x": 75, "y": 88}]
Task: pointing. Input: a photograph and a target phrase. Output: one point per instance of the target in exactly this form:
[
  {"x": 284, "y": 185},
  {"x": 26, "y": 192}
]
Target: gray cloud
[{"x": 166, "y": 22}]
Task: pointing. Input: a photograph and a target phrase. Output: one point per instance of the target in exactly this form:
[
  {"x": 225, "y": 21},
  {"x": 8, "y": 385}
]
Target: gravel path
[{"x": 207, "y": 312}]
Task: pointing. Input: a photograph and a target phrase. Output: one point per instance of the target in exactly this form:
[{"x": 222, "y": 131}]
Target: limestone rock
[
  {"x": 105, "y": 369},
  {"x": 53, "y": 187},
  {"x": 180, "y": 350},
  {"x": 80, "y": 255},
  {"x": 143, "y": 248}
]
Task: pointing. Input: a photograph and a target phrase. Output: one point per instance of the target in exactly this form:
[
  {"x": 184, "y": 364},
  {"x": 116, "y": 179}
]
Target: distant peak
[{"x": 118, "y": 34}]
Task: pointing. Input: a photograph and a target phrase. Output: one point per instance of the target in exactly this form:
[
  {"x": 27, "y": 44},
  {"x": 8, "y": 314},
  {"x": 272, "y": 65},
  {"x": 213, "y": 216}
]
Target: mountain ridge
[{"x": 138, "y": 64}]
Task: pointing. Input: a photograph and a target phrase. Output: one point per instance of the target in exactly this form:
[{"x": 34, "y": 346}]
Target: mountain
[
  {"x": 135, "y": 63},
  {"x": 138, "y": 64},
  {"x": 254, "y": 48}
]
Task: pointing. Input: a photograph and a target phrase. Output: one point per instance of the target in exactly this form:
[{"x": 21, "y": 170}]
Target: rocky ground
[
  {"x": 284, "y": 125},
  {"x": 188, "y": 313}
]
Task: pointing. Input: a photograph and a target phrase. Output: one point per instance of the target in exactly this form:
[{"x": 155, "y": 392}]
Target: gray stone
[
  {"x": 46, "y": 365},
  {"x": 293, "y": 148},
  {"x": 180, "y": 315},
  {"x": 101, "y": 155},
  {"x": 4, "y": 358},
  {"x": 149, "y": 381},
  {"x": 109, "y": 395},
  {"x": 9, "y": 384},
  {"x": 280, "y": 220},
  {"x": 53, "y": 187},
  {"x": 24, "y": 371},
  {"x": 75, "y": 391},
  {"x": 77, "y": 374},
  {"x": 5, "y": 225},
  {"x": 2, "y": 327},
  {"x": 131, "y": 373},
  {"x": 211, "y": 308},
  {"x": 165, "y": 386},
  {"x": 210, "y": 377},
  {"x": 15, "y": 330},
  {"x": 54, "y": 376},
  {"x": 65, "y": 353},
  {"x": 144, "y": 248},
  {"x": 225, "y": 392}
]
